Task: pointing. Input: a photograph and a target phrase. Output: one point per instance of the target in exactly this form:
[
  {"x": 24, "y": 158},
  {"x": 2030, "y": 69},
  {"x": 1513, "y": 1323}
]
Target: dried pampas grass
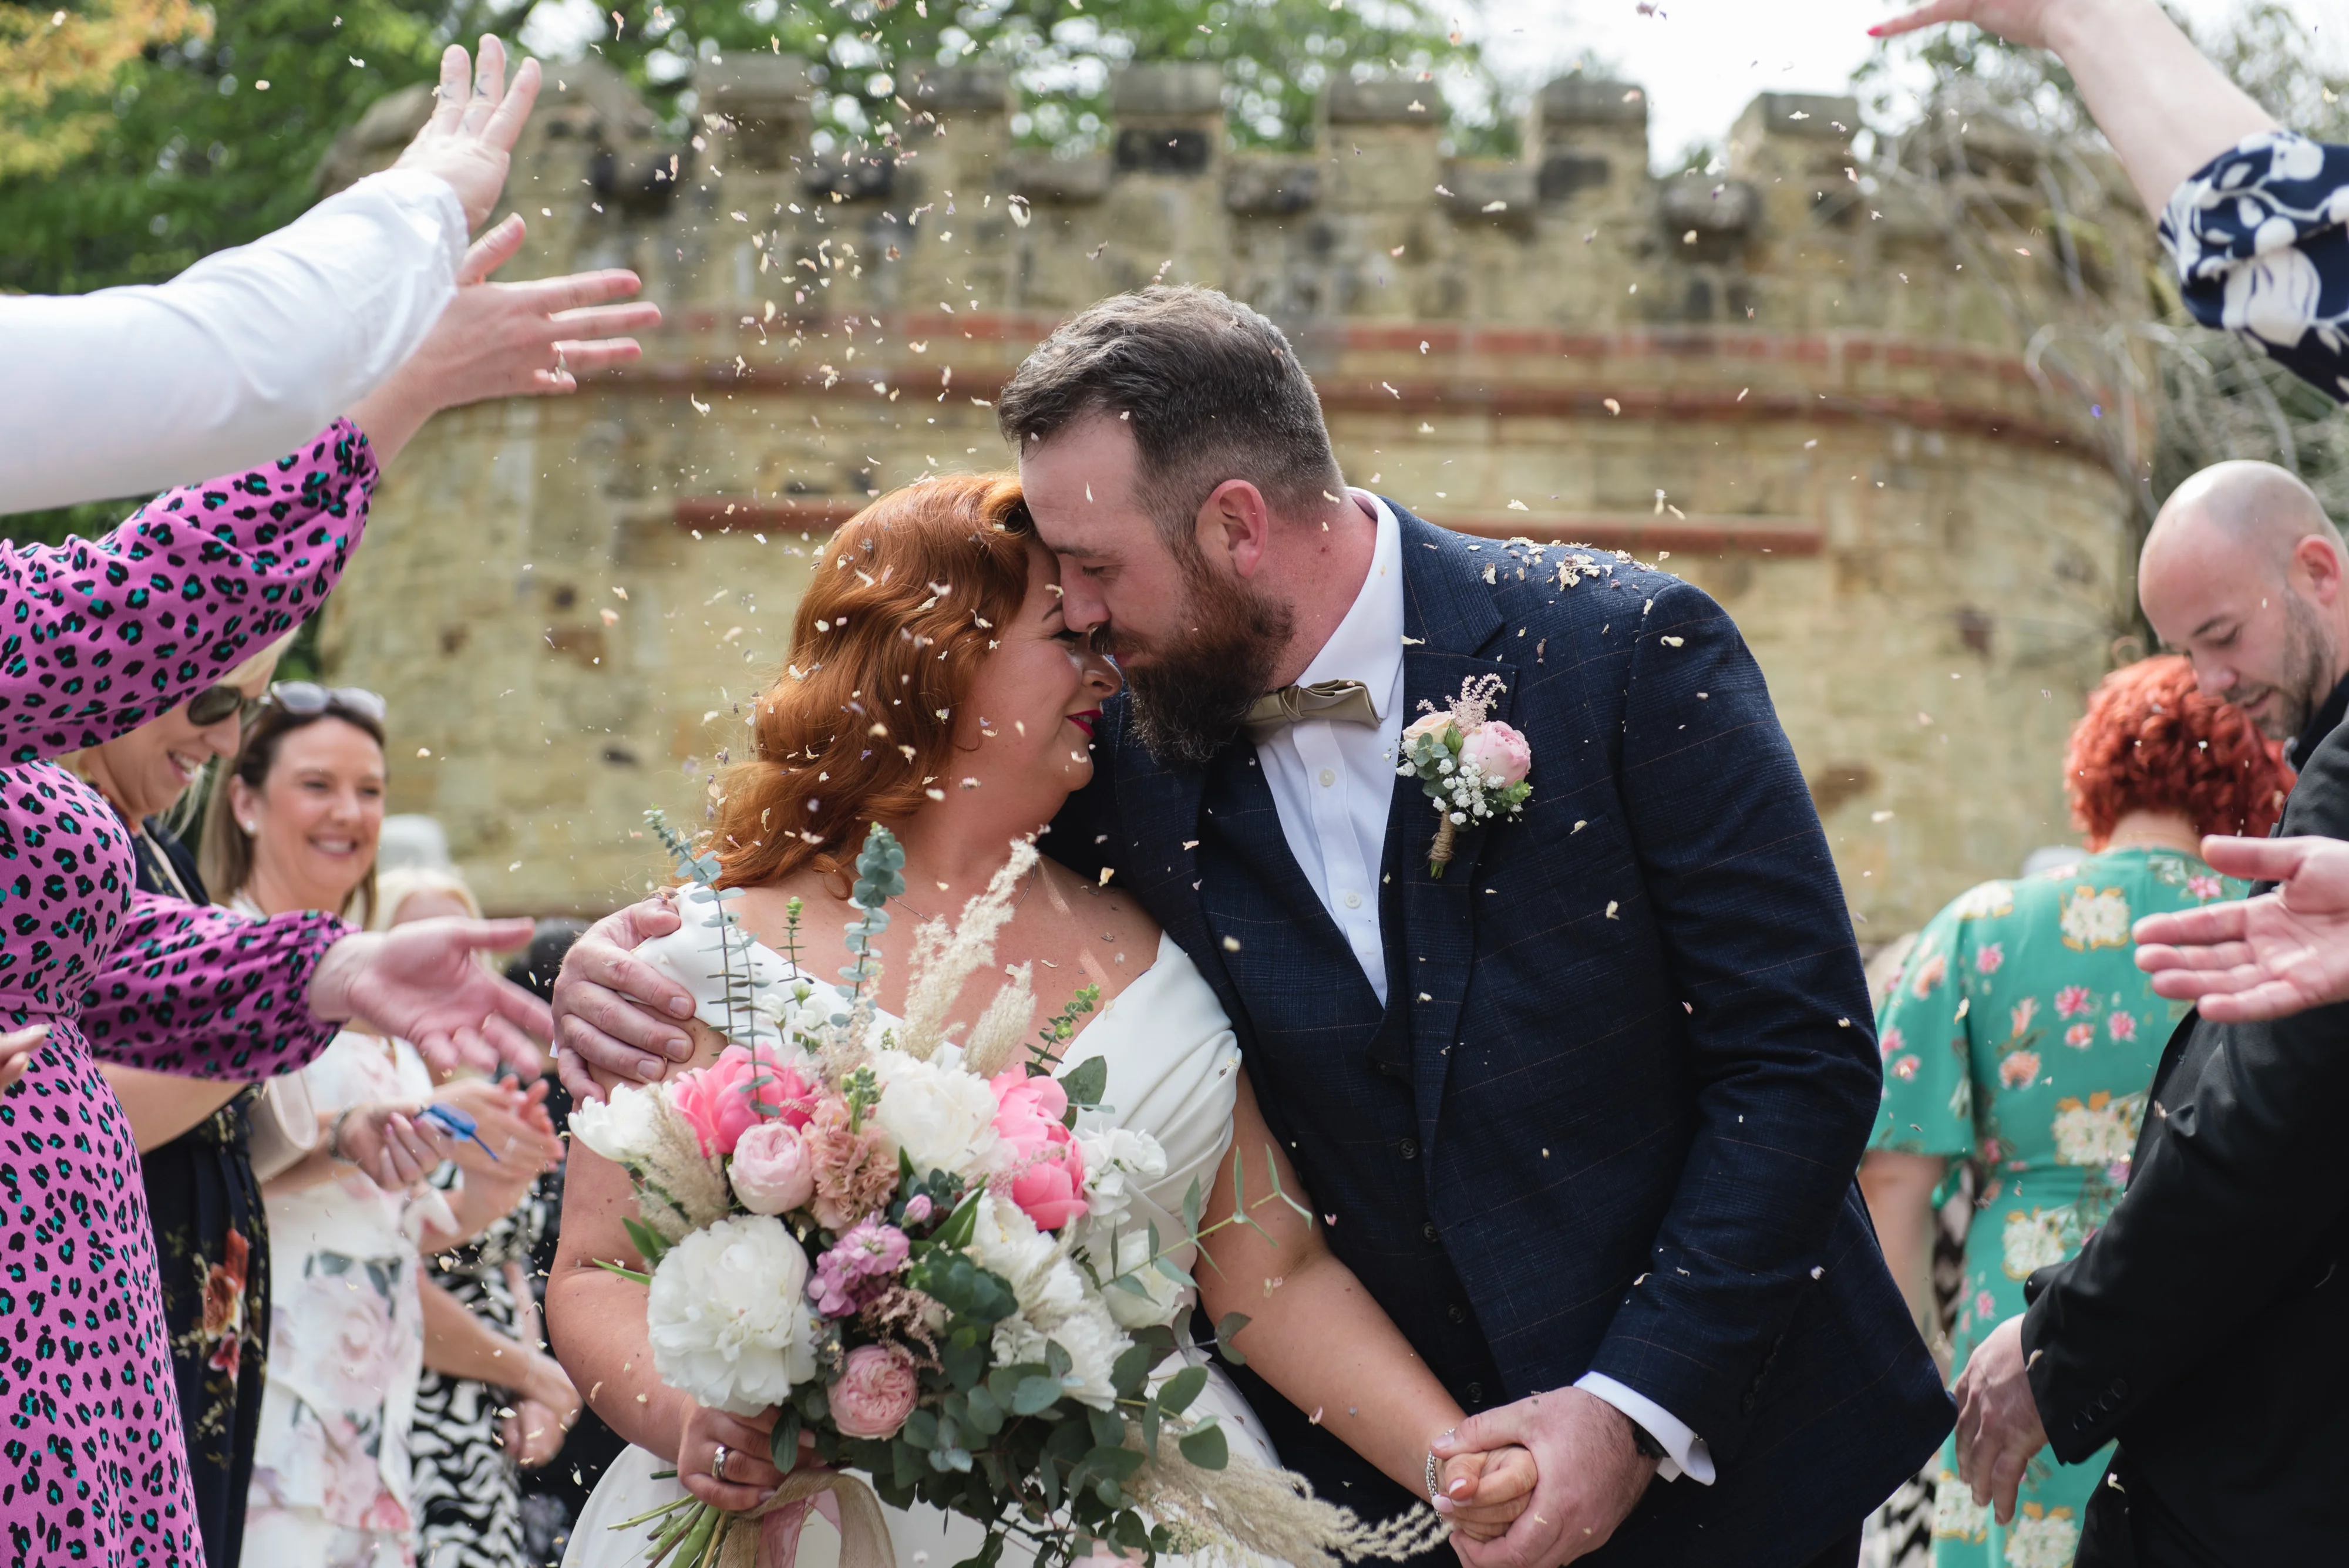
[
  {"x": 943, "y": 960},
  {"x": 1251, "y": 1516}
]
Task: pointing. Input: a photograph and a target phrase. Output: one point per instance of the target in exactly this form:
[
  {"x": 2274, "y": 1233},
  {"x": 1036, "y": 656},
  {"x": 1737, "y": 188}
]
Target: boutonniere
[{"x": 1474, "y": 768}]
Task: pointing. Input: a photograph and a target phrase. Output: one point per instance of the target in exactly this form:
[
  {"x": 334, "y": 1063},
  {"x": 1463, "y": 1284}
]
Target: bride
[{"x": 933, "y": 686}]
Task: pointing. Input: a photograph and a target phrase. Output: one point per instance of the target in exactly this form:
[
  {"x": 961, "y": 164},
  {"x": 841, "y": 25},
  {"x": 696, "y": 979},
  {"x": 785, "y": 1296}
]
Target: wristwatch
[{"x": 1644, "y": 1444}]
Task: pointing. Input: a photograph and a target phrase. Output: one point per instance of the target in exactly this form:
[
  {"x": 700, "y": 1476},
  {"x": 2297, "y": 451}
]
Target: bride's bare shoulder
[{"x": 1115, "y": 937}]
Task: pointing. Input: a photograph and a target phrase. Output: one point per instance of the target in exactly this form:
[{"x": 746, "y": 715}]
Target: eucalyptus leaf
[
  {"x": 1204, "y": 1447},
  {"x": 1181, "y": 1389},
  {"x": 1230, "y": 1324}
]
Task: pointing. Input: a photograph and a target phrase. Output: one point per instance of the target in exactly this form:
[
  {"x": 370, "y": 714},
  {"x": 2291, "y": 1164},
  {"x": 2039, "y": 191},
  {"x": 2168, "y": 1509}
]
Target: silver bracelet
[{"x": 1433, "y": 1471}]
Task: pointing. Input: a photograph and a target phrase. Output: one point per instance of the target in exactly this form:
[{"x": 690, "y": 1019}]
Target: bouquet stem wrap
[{"x": 864, "y": 1529}]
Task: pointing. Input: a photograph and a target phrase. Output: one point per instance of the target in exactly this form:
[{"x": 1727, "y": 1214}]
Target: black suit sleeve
[{"x": 2237, "y": 1170}]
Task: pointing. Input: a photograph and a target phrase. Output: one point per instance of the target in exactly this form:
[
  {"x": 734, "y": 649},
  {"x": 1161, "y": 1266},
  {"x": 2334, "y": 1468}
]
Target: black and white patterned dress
[
  {"x": 467, "y": 1487},
  {"x": 2262, "y": 237}
]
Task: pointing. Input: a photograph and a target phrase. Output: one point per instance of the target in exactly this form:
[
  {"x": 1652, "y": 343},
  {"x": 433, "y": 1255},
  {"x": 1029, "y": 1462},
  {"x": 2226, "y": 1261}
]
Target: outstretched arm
[
  {"x": 2268, "y": 956},
  {"x": 2165, "y": 107},
  {"x": 130, "y": 390},
  {"x": 1315, "y": 1336}
]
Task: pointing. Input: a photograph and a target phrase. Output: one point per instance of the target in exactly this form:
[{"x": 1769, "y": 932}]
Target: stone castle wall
[{"x": 1779, "y": 381}]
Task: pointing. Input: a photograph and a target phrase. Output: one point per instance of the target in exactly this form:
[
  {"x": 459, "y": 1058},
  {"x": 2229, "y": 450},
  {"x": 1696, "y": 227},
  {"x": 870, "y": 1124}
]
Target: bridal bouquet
[{"x": 909, "y": 1248}]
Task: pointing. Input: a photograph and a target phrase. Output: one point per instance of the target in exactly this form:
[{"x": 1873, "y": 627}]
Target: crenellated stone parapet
[{"x": 1807, "y": 385}]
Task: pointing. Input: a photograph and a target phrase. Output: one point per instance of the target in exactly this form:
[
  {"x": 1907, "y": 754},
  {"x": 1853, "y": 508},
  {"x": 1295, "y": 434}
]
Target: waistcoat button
[
  {"x": 1410, "y": 1149},
  {"x": 1428, "y": 1229},
  {"x": 1457, "y": 1313}
]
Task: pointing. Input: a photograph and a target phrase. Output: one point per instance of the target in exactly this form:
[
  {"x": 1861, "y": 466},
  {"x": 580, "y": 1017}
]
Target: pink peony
[
  {"x": 737, "y": 1092},
  {"x": 1502, "y": 755},
  {"x": 771, "y": 1170},
  {"x": 875, "y": 1392},
  {"x": 1047, "y": 1170},
  {"x": 2073, "y": 1001},
  {"x": 2122, "y": 1026},
  {"x": 1988, "y": 957},
  {"x": 2080, "y": 1036}
]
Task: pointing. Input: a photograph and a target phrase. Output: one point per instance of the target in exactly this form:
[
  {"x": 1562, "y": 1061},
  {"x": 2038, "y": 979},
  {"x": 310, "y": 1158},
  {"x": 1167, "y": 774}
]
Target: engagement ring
[{"x": 717, "y": 1465}]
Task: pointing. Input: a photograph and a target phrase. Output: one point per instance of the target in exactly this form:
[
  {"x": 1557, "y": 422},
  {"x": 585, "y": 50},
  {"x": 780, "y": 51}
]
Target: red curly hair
[
  {"x": 899, "y": 611},
  {"x": 2151, "y": 741}
]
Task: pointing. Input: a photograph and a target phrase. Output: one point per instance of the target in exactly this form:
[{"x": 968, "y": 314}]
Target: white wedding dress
[{"x": 1174, "y": 1065}]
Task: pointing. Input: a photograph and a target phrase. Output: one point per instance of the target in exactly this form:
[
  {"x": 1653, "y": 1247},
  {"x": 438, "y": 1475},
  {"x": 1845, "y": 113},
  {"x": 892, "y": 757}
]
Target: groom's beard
[{"x": 1190, "y": 692}]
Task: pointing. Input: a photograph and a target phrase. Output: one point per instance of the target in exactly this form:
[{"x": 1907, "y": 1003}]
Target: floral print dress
[
  {"x": 331, "y": 1484},
  {"x": 2021, "y": 1035},
  {"x": 97, "y": 637}
]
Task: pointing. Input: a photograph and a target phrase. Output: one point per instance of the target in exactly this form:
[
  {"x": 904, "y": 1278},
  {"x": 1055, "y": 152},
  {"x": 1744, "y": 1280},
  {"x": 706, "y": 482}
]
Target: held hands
[
  {"x": 1481, "y": 1494},
  {"x": 615, "y": 1012},
  {"x": 420, "y": 982},
  {"x": 1588, "y": 1476},
  {"x": 2269, "y": 957},
  {"x": 469, "y": 142},
  {"x": 1998, "y": 1420}
]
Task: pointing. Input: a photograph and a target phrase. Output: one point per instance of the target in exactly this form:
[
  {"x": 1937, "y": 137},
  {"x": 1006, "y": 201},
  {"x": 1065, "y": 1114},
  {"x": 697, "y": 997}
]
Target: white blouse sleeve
[{"x": 231, "y": 363}]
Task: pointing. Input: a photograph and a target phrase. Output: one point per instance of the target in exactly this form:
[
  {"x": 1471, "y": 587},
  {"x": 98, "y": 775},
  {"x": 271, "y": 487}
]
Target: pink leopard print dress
[{"x": 95, "y": 638}]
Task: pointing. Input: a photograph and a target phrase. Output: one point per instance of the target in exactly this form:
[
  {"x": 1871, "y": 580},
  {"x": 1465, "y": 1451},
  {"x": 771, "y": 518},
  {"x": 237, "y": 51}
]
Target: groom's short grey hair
[{"x": 1212, "y": 389}]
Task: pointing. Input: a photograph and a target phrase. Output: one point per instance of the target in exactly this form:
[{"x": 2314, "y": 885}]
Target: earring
[{"x": 248, "y": 827}]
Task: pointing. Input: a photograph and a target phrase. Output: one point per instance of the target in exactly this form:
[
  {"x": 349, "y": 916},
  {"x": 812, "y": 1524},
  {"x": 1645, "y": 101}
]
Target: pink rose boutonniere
[{"x": 1471, "y": 767}]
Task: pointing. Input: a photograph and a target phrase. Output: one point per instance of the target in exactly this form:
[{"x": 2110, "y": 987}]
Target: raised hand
[
  {"x": 422, "y": 983},
  {"x": 1999, "y": 1426},
  {"x": 1589, "y": 1477},
  {"x": 506, "y": 340},
  {"x": 390, "y": 1145},
  {"x": 469, "y": 142},
  {"x": 503, "y": 1120},
  {"x": 615, "y": 1012},
  {"x": 2269, "y": 957},
  {"x": 2021, "y": 22}
]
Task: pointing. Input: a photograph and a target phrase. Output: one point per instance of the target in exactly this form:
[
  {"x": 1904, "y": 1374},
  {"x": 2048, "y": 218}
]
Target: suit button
[
  {"x": 1476, "y": 1392},
  {"x": 1428, "y": 1230},
  {"x": 1457, "y": 1313},
  {"x": 1410, "y": 1149}
]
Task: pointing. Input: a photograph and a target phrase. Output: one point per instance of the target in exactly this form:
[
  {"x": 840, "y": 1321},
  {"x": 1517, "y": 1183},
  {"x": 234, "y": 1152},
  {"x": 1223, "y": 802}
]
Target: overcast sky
[{"x": 1703, "y": 61}]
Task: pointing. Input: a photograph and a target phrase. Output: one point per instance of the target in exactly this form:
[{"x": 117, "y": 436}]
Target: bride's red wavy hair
[{"x": 902, "y": 605}]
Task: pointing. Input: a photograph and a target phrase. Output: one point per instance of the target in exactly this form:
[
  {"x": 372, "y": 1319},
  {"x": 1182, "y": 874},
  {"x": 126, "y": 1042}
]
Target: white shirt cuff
[{"x": 1684, "y": 1452}]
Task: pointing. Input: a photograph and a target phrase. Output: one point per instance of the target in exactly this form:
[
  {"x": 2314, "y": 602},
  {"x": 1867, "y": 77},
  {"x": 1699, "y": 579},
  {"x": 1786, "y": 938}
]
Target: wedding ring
[{"x": 717, "y": 1465}]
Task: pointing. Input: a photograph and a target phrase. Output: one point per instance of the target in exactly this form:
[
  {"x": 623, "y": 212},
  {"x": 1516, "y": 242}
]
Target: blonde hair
[{"x": 393, "y": 888}]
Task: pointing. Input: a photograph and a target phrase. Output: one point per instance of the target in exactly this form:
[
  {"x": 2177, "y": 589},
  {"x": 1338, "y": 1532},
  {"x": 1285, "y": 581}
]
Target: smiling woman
[{"x": 295, "y": 823}]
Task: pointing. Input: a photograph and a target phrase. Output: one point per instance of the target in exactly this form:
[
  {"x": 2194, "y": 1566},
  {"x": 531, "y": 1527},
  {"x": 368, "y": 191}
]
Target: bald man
[
  {"x": 2243, "y": 574},
  {"x": 2206, "y": 1326}
]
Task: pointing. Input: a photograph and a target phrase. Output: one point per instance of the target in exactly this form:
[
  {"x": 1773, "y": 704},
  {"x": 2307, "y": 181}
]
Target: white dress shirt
[
  {"x": 235, "y": 362},
  {"x": 1332, "y": 784}
]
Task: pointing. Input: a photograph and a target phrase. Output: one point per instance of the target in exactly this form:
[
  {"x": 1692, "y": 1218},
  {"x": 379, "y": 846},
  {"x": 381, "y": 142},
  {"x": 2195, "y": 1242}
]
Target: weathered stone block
[
  {"x": 1184, "y": 90},
  {"x": 1265, "y": 185},
  {"x": 1391, "y": 101}
]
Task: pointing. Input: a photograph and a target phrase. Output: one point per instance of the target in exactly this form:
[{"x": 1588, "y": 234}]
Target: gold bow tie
[{"x": 1341, "y": 701}]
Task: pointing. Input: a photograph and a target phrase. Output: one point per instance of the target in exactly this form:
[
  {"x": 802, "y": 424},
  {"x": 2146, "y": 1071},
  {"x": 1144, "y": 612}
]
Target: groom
[{"x": 1582, "y": 1112}]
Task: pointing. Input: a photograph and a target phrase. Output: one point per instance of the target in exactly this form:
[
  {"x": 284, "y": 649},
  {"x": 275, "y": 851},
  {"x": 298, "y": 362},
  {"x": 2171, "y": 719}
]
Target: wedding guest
[
  {"x": 2196, "y": 1328},
  {"x": 475, "y": 1431},
  {"x": 2256, "y": 215},
  {"x": 97, "y": 970},
  {"x": 293, "y": 827},
  {"x": 2021, "y": 1034}
]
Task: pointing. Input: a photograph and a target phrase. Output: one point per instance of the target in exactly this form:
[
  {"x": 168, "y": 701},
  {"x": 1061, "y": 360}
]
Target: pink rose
[
  {"x": 875, "y": 1392},
  {"x": 770, "y": 1170},
  {"x": 1047, "y": 1169},
  {"x": 737, "y": 1092},
  {"x": 1500, "y": 754}
]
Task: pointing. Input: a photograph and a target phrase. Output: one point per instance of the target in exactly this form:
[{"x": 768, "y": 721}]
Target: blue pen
[{"x": 458, "y": 1123}]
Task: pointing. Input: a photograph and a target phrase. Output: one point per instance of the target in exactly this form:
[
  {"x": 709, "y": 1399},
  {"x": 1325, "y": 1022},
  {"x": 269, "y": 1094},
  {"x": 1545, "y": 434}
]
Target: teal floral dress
[{"x": 2022, "y": 1034}]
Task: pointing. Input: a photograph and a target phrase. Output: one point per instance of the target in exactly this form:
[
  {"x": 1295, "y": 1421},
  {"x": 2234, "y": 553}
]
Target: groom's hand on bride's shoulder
[
  {"x": 613, "y": 1012},
  {"x": 1587, "y": 1476},
  {"x": 1484, "y": 1493}
]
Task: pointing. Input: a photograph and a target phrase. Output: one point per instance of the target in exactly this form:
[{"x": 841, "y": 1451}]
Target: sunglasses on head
[{"x": 307, "y": 699}]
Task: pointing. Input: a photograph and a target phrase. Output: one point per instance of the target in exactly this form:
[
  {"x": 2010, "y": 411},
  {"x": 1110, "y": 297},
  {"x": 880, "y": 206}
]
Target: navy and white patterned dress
[{"x": 2262, "y": 237}]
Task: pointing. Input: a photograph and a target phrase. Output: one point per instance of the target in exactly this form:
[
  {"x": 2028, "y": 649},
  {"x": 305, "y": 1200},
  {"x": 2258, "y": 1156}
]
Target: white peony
[
  {"x": 728, "y": 1317},
  {"x": 623, "y": 1129},
  {"x": 1119, "y": 1162},
  {"x": 942, "y": 1116},
  {"x": 1093, "y": 1342}
]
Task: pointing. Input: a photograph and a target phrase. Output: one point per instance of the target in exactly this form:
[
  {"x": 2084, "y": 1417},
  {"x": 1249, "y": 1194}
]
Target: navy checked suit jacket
[{"x": 1616, "y": 1123}]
